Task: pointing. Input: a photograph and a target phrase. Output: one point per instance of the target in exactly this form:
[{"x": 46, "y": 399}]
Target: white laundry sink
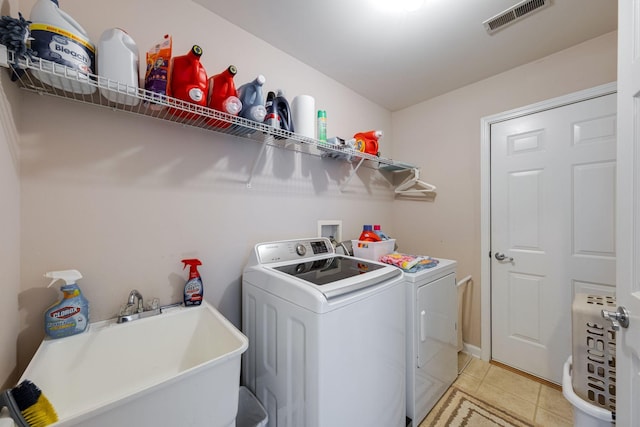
[{"x": 178, "y": 368}]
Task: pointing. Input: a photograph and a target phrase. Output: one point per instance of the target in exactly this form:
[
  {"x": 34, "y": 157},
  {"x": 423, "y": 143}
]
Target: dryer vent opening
[{"x": 513, "y": 14}]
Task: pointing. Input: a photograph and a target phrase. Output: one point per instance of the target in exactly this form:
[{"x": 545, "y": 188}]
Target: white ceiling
[{"x": 398, "y": 59}]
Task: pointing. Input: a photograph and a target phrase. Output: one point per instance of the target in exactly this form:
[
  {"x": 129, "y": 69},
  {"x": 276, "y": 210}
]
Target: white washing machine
[
  {"x": 326, "y": 336},
  {"x": 432, "y": 339}
]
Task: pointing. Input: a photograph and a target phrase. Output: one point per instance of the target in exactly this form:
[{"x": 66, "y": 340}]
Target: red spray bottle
[
  {"x": 188, "y": 81},
  {"x": 193, "y": 289},
  {"x": 223, "y": 95}
]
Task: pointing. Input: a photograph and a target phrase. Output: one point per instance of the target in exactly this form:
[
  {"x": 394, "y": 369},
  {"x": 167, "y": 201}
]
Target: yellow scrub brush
[{"x": 28, "y": 406}]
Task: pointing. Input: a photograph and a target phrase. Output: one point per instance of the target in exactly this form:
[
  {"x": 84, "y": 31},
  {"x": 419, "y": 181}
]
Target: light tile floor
[{"x": 537, "y": 402}]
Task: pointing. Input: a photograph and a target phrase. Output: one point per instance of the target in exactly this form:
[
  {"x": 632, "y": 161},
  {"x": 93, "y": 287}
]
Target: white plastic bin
[
  {"x": 372, "y": 250},
  {"x": 250, "y": 412},
  {"x": 584, "y": 413}
]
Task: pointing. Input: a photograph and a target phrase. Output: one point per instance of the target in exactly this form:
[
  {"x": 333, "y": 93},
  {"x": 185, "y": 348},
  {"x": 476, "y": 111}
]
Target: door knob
[
  {"x": 618, "y": 318},
  {"x": 503, "y": 257}
]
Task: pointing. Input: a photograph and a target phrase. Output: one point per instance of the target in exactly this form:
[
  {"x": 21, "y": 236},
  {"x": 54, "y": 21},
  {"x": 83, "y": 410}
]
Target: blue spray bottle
[{"x": 70, "y": 315}]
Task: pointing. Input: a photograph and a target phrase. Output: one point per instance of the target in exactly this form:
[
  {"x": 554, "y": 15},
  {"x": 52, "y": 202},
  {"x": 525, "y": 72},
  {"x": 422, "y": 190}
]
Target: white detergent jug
[
  {"x": 58, "y": 38},
  {"x": 118, "y": 67}
]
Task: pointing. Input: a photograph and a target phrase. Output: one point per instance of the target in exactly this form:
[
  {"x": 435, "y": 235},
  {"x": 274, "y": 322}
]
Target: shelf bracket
[
  {"x": 257, "y": 160},
  {"x": 353, "y": 172}
]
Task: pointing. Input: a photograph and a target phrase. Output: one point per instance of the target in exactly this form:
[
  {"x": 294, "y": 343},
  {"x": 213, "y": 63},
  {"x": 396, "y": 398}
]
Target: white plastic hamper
[{"x": 593, "y": 365}]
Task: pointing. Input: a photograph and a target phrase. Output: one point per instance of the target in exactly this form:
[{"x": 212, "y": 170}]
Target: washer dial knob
[{"x": 300, "y": 249}]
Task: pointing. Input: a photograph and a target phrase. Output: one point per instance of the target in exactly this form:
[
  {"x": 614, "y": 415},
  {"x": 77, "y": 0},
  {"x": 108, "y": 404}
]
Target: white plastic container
[
  {"x": 250, "y": 412},
  {"x": 584, "y": 413},
  {"x": 178, "y": 368},
  {"x": 58, "y": 38},
  {"x": 372, "y": 250},
  {"x": 118, "y": 64}
]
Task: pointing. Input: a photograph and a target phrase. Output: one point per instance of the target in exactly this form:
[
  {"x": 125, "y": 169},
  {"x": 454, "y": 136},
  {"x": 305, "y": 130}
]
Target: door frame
[{"x": 485, "y": 193}]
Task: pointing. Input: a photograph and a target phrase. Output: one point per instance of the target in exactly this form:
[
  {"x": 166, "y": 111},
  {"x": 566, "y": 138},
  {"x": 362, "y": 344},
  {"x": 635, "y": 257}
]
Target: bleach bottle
[
  {"x": 118, "y": 67},
  {"x": 188, "y": 81},
  {"x": 193, "y": 289},
  {"x": 70, "y": 315},
  {"x": 223, "y": 95},
  {"x": 58, "y": 38}
]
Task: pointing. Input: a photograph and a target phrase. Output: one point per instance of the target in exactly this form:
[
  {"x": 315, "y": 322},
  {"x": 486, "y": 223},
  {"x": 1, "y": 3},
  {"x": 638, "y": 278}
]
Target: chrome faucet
[
  {"x": 135, "y": 309},
  {"x": 133, "y": 295}
]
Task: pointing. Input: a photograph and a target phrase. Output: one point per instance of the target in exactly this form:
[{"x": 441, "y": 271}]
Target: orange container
[{"x": 367, "y": 142}]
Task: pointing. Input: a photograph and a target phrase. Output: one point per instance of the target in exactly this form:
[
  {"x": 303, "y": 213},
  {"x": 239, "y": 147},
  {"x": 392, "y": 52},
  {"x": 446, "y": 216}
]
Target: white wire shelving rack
[{"x": 63, "y": 82}]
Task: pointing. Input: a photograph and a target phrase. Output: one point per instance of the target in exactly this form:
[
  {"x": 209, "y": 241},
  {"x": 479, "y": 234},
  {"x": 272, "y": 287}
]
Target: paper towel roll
[{"x": 303, "y": 112}]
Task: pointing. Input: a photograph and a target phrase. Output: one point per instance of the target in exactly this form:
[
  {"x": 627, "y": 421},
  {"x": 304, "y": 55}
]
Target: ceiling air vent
[{"x": 513, "y": 14}]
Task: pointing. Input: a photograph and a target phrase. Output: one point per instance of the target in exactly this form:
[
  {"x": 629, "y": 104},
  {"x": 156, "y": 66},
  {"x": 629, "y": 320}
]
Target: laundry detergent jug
[
  {"x": 252, "y": 99},
  {"x": 223, "y": 96},
  {"x": 118, "y": 67},
  {"x": 367, "y": 142},
  {"x": 187, "y": 82}
]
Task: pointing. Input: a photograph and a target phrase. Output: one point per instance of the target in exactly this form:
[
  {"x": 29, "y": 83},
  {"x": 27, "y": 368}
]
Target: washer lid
[{"x": 338, "y": 275}]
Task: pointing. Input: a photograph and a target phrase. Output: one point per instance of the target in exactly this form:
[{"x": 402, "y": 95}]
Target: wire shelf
[{"x": 48, "y": 78}]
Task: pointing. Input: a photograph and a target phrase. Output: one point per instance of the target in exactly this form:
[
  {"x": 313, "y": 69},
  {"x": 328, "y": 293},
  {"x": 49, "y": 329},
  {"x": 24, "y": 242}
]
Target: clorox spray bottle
[
  {"x": 70, "y": 315},
  {"x": 193, "y": 289}
]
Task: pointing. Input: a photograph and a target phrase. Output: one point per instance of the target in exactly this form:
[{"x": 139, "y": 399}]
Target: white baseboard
[{"x": 472, "y": 350}]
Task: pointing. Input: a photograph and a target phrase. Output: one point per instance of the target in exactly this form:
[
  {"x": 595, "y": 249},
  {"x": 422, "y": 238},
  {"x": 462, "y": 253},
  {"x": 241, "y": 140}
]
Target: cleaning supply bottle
[
  {"x": 223, "y": 95},
  {"x": 156, "y": 74},
  {"x": 379, "y": 232},
  {"x": 367, "y": 142},
  {"x": 284, "y": 111},
  {"x": 271, "y": 119},
  {"x": 193, "y": 289},
  {"x": 188, "y": 81},
  {"x": 252, "y": 99},
  {"x": 118, "y": 67},
  {"x": 70, "y": 315},
  {"x": 58, "y": 38},
  {"x": 368, "y": 235},
  {"x": 322, "y": 126}
]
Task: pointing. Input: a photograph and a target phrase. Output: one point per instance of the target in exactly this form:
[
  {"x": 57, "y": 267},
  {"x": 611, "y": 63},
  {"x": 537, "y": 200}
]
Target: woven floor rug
[{"x": 457, "y": 409}]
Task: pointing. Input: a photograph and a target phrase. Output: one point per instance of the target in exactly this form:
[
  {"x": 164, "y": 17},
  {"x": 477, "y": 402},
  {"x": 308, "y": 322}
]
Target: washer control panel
[{"x": 289, "y": 250}]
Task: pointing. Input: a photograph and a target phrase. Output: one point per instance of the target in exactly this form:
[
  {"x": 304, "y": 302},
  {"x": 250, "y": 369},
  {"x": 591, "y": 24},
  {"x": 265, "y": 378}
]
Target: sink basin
[{"x": 179, "y": 368}]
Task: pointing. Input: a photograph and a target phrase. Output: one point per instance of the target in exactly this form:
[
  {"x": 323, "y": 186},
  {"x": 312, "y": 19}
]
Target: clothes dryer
[{"x": 431, "y": 322}]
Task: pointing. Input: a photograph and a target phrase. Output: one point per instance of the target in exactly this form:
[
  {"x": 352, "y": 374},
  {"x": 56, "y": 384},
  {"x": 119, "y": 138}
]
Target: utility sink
[{"x": 178, "y": 368}]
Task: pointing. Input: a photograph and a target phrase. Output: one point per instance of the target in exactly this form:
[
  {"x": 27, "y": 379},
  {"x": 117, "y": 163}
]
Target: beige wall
[
  {"x": 9, "y": 223},
  {"x": 442, "y": 135},
  {"x": 124, "y": 198}
]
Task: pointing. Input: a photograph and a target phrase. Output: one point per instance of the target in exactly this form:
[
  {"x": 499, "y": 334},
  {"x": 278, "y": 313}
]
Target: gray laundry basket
[
  {"x": 594, "y": 351},
  {"x": 250, "y": 412}
]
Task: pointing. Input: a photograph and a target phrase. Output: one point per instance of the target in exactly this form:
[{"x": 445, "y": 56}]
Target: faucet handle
[{"x": 154, "y": 304}]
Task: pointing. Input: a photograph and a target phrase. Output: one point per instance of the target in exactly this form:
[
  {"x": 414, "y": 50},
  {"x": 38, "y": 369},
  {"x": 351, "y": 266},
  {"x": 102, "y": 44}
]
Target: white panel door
[
  {"x": 553, "y": 177},
  {"x": 628, "y": 225}
]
